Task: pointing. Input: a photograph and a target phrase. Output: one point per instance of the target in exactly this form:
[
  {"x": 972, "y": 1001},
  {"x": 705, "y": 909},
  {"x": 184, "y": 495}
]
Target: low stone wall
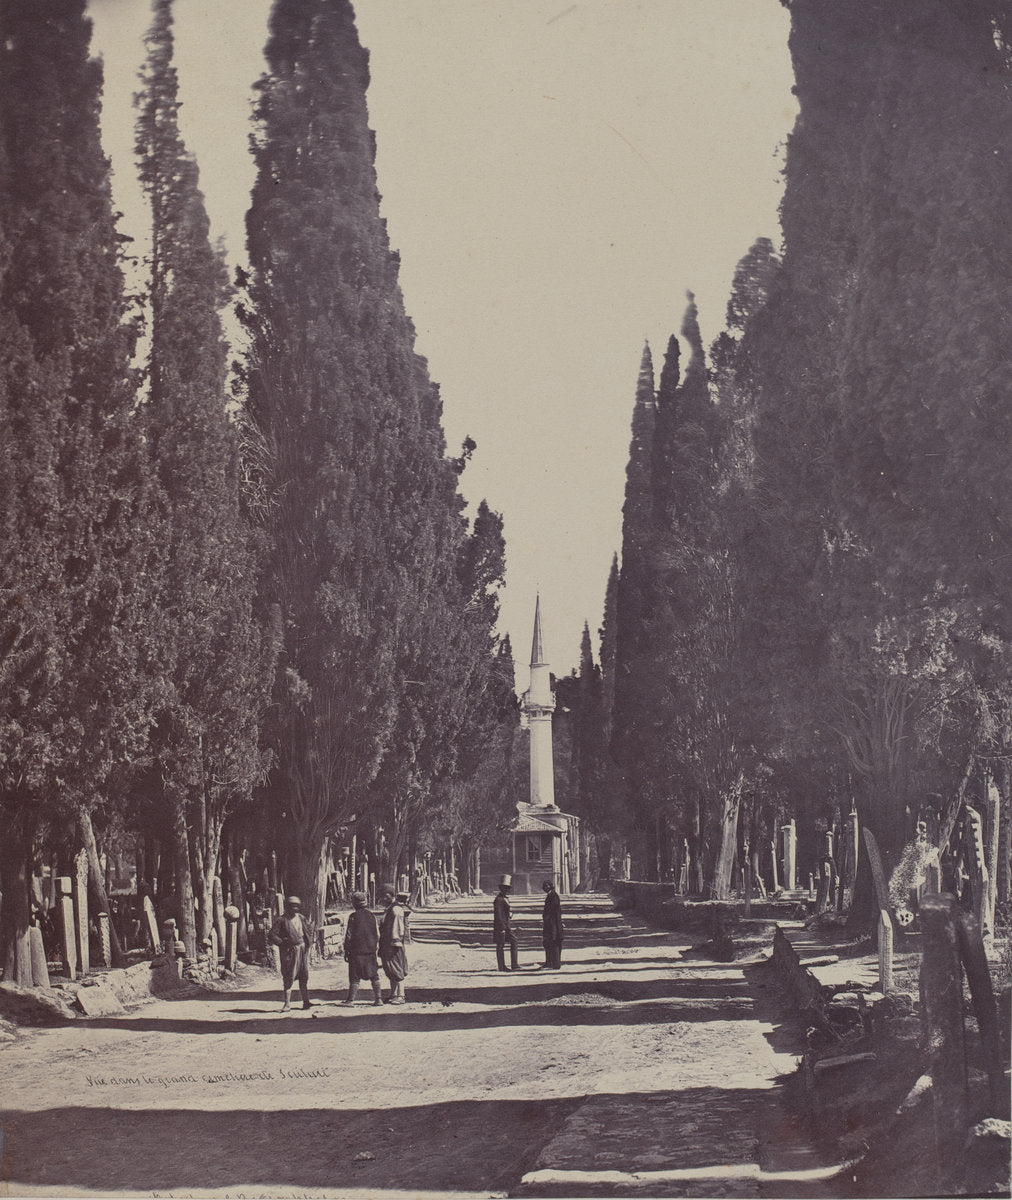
[{"x": 662, "y": 905}]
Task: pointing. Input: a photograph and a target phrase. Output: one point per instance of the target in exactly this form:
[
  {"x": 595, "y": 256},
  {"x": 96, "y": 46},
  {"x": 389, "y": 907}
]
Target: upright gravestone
[
  {"x": 40, "y": 968},
  {"x": 853, "y": 850},
  {"x": 975, "y": 857},
  {"x": 231, "y": 915},
  {"x": 80, "y": 882},
  {"x": 104, "y": 939},
  {"x": 790, "y": 836},
  {"x": 218, "y": 910},
  {"x": 776, "y": 877},
  {"x": 64, "y": 890}
]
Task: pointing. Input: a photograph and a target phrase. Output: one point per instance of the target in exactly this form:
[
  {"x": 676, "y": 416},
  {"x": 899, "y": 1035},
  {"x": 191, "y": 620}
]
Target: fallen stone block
[{"x": 98, "y": 1001}]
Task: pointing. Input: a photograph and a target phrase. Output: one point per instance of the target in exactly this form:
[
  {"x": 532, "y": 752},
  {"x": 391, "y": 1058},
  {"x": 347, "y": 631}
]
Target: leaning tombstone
[
  {"x": 151, "y": 925},
  {"x": 885, "y": 952}
]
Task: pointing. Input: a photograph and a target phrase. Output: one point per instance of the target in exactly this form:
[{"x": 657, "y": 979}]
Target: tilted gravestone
[{"x": 151, "y": 925}]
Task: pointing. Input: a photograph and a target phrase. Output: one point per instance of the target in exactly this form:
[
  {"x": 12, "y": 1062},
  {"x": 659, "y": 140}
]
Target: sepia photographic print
[{"x": 505, "y": 565}]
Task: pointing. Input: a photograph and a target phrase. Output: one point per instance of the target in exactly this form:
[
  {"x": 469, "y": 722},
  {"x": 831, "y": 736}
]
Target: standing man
[
  {"x": 290, "y": 934},
  {"x": 502, "y": 928},
  {"x": 551, "y": 927},
  {"x": 361, "y": 942},
  {"x": 391, "y": 944}
]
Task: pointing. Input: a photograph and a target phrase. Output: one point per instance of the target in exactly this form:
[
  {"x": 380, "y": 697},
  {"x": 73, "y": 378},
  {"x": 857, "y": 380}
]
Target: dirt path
[{"x": 630, "y": 1070}]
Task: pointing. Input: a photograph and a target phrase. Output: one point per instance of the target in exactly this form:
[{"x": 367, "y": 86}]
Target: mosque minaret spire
[{"x": 538, "y": 706}]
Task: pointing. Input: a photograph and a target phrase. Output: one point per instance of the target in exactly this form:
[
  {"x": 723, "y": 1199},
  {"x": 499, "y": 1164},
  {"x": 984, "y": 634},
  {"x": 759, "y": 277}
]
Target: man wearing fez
[
  {"x": 392, "y": 937},
  {"x": 361, "y": 942},
  {"x": 551, "y": 927},
  {"x": 290, "y": 933},
  {"x": 502, "y": 929}
]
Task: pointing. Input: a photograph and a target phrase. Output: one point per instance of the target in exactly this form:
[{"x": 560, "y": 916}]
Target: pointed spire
[{"x": 537, "y": 647}]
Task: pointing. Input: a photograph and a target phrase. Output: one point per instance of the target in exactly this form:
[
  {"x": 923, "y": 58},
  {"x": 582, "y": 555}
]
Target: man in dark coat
[
  {"x": 551, "y": 927},
  {"x": 502, "y": 928},
  {"x": 393, "y": 935},
  {"x": 290, "y": 933},
  {"x": 361, "y": 943}
]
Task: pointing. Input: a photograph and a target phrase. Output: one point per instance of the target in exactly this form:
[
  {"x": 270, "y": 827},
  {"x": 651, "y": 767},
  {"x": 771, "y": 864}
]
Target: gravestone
[
  {"x": 885, "y": 952},
  {"x": 217, "y": 909},
  {"x": 790, "y": 840},
  {"x": 877, "y": 870},
  {"x": 853, "y": 850},
  {"x": 231, "y": 915},
  {"x": 104, "y": 939},
  {"x": 80, "y": 884},
  {"x": 776, "y": 877},
  {"x": 151, "y": 925},
  {"x": 67, "y": 925},
  {"x": 98, "y": 1001},
  {"x": 40, "y": 968}
]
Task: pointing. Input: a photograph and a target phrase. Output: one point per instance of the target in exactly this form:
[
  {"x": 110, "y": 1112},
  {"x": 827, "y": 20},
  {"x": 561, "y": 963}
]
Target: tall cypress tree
[
  {"x": 355, "y": 510},
  {"x": 206, "y": 750},
  {"x": 635, "y": 596},
  {"x": 78, "y": 549},
  {"x": 882, "y": 542}
]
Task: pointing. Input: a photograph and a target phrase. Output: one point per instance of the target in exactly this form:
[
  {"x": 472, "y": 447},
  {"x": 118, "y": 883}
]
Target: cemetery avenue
[{"x": 638, "y": 1056}]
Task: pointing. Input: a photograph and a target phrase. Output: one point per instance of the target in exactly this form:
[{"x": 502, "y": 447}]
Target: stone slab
[{"x": 98, "y": 1001}]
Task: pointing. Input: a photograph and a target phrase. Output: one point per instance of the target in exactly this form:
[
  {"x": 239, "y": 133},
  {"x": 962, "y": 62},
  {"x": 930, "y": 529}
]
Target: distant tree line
[
  {"x": 812, "y": 610},
  {"x": 241, "y": 611}
]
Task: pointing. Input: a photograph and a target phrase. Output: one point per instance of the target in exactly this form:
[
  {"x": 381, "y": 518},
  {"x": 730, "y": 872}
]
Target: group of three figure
[
  {"x": 552, "y": 929},
  {"x": 363, "y": 941}
]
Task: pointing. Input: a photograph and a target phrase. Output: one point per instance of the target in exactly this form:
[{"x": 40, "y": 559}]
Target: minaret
[{"x": 539, "y": 704}]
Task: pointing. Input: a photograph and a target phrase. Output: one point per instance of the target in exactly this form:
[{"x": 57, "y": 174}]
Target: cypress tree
[
  {"x": 355, "y": 495},
  {"x": 882, "y": 542},
  {"x": 632, "y": 713},
  {"x": 206, "y": 750},
  {"x": 78, "y": 546}
]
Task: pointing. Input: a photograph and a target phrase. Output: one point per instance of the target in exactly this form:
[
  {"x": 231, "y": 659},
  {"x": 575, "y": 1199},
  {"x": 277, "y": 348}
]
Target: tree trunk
[
  {"x": 992, "y": 835},
  {"x": 15, "y": 907},
  {"x": 727, "y": 842},
  {"x": 304, "y": 871},
  {"x": 97, "y": 884},
  {"x": 1005, "y": 836},
  {"x": 184, "y": 884}
]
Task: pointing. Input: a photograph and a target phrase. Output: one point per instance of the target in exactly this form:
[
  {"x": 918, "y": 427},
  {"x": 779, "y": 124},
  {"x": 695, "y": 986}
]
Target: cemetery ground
[{"x": 643, "y": 1067}]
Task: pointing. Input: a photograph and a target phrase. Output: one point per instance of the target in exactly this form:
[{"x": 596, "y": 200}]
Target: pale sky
[{"x": 556, "y": 177}]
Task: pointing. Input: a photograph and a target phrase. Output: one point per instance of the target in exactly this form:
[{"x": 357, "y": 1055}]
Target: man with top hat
[
  {"x": 502, "y": 928},
  {"x": 290, "y": 933},
  {"x": 361, "y": 943},
  {"x": 392, "y": 936}
]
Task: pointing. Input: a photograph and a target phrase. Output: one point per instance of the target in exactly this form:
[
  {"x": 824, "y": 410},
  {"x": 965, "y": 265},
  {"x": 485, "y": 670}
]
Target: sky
[{"x": 556, "y": 177}]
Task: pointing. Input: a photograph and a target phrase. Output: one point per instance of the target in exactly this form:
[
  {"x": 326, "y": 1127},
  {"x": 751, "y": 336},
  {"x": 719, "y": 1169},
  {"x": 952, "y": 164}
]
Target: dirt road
[{"x": 632, "y": 1070}]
